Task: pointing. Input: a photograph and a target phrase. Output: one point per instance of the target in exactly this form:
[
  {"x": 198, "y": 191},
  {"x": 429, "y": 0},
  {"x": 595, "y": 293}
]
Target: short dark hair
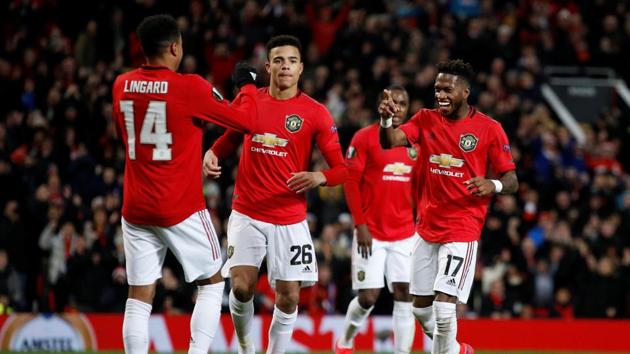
[
  {"x": 284, "y": 39},
  {"x": 457, "y": 67},
  {"x": 392, "y": 87},
  {"x": 156, "y": 33}
]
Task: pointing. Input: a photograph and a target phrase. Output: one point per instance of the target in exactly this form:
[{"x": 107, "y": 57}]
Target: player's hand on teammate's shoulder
[
  {"x": 211, "y": 166},
  {"x": 480, "y": 186},
  {"x": 387, "y": 108},
  {"x": 301, "y": 182},
  {"x": 244, "y": 73},
  {"x": 364, "y": 241}
]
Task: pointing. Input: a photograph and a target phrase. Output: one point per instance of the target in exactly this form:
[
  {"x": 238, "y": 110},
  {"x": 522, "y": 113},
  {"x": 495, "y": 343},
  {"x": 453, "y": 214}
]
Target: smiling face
[
  {"x": 451, "y": 94},
  {"x": 284, "y": 67}
]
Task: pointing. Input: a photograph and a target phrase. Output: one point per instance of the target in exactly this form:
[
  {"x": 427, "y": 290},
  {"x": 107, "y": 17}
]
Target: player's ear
[
  {"x": 301, "y": 68},
  {"x": 466, "y": 92},
  {"x": 268, "y": 68},
  {"x": 173, "y": 49}
]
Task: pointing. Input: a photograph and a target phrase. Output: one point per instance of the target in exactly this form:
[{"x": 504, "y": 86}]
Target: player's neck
[
  {"x": 159, "y": 61},
  {"x": 462, "y": 113},
  {"x": 282, "y": 94}
]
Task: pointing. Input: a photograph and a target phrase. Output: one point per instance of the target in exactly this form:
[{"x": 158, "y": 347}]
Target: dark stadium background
[{"x": 559, "y": 248}]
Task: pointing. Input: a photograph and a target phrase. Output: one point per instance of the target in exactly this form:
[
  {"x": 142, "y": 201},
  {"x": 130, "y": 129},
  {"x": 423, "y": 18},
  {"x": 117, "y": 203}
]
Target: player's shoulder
[
  {"x": 368, "y": 131},
  {"x": 312, "y": 103},
  {"x": 366, "y": 135},
  {"x": 485, "y": 119},
  {"x": 426, "y": 113},
  {"x": 191, "y": 79},
  {"x": 125, "y": 76}
]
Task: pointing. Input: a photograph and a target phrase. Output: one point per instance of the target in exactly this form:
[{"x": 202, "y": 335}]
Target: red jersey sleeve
[
  {"x": 227, "y": 143},
  {"x": 412, "y": 128},
  {"x": 355, "y": 160},
  {"x": 500, "y": 151},
  {"x": 328, "y": 142},
  {"x": 208, "y": 105}
]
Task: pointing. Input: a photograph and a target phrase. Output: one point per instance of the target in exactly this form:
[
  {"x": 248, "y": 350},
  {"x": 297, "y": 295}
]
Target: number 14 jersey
[{"x": 154, "y": 108}]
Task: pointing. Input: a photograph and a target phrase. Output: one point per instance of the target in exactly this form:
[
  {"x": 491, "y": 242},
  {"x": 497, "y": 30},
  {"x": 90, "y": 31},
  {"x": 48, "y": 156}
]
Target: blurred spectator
[
  {"x": 11, "y": 286},
  {"x": 558, "y": 248}
]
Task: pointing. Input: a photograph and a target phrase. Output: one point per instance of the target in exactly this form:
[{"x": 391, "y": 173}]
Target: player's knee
[
  {"x": 144, "y": 293},
  {"x": 243, "y": 288},
  {"x": 368, "y": 297},
  {"x": 423, "y": 301},
  {"x": 401, "y": 292},
  {"x": 287, "y": 300}
]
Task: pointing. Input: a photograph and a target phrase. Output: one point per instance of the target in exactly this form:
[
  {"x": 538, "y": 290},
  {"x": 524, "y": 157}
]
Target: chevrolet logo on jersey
[
  {"x": 397, "y": 168},
  {"x": 446, "y": 161},
  {"x": 269, "y": 140}
]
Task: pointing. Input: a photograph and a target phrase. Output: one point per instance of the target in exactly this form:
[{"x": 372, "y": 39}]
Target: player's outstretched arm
[
  {"x": 388, "y": 136},
  {"x": 205, "y": 103}
]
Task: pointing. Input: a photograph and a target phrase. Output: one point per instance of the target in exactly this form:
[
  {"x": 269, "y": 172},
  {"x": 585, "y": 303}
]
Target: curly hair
[{"x": 457, "y": 67}]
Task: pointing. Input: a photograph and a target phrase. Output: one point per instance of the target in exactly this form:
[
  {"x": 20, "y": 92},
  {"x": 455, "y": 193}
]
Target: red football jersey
[
  {"x": 453, "y": 151},
  {"x": 379, "y": 189},
  {"x": 281, "y": 142},
  {"x": 154, "y": 109}
]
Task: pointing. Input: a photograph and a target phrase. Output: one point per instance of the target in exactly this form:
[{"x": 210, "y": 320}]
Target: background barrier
[{"x": 80, "y": 332}]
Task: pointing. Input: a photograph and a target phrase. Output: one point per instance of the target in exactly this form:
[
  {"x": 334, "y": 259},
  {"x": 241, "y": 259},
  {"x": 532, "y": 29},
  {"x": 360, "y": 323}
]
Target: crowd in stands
[{"x": 558, "y": 248}]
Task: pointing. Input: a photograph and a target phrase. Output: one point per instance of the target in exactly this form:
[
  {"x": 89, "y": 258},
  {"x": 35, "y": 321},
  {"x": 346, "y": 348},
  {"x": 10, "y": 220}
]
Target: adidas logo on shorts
[
  {"x": 306, "y": 269},
  {"x": 451, "y": 282}
]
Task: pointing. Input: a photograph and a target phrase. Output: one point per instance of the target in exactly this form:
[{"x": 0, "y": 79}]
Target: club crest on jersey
[
  {"x": 412, "y": 153},
  {"x": 468, "y": 142},
  {"x": 216, "y": 94},
  {"x": 361, "y": 275},
  {"x": 351, "y": 152},
  {"x": 230, "y": 251},
  {"x": 293, "y": 123}
]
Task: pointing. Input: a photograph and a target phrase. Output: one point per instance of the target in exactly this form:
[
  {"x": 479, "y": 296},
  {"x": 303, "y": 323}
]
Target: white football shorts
[
  {"x": 389, "y": 259},
  {"x": 289, "y": 249},
  {"x": 445, "y": 267},
  {"x": 193, "y": 242}
]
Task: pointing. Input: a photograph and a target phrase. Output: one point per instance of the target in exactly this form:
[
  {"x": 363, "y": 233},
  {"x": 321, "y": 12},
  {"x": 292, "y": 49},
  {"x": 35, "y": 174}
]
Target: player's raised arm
[
  {"x": 389, "y": 136},
  {"x": 208, "y": 104}
]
